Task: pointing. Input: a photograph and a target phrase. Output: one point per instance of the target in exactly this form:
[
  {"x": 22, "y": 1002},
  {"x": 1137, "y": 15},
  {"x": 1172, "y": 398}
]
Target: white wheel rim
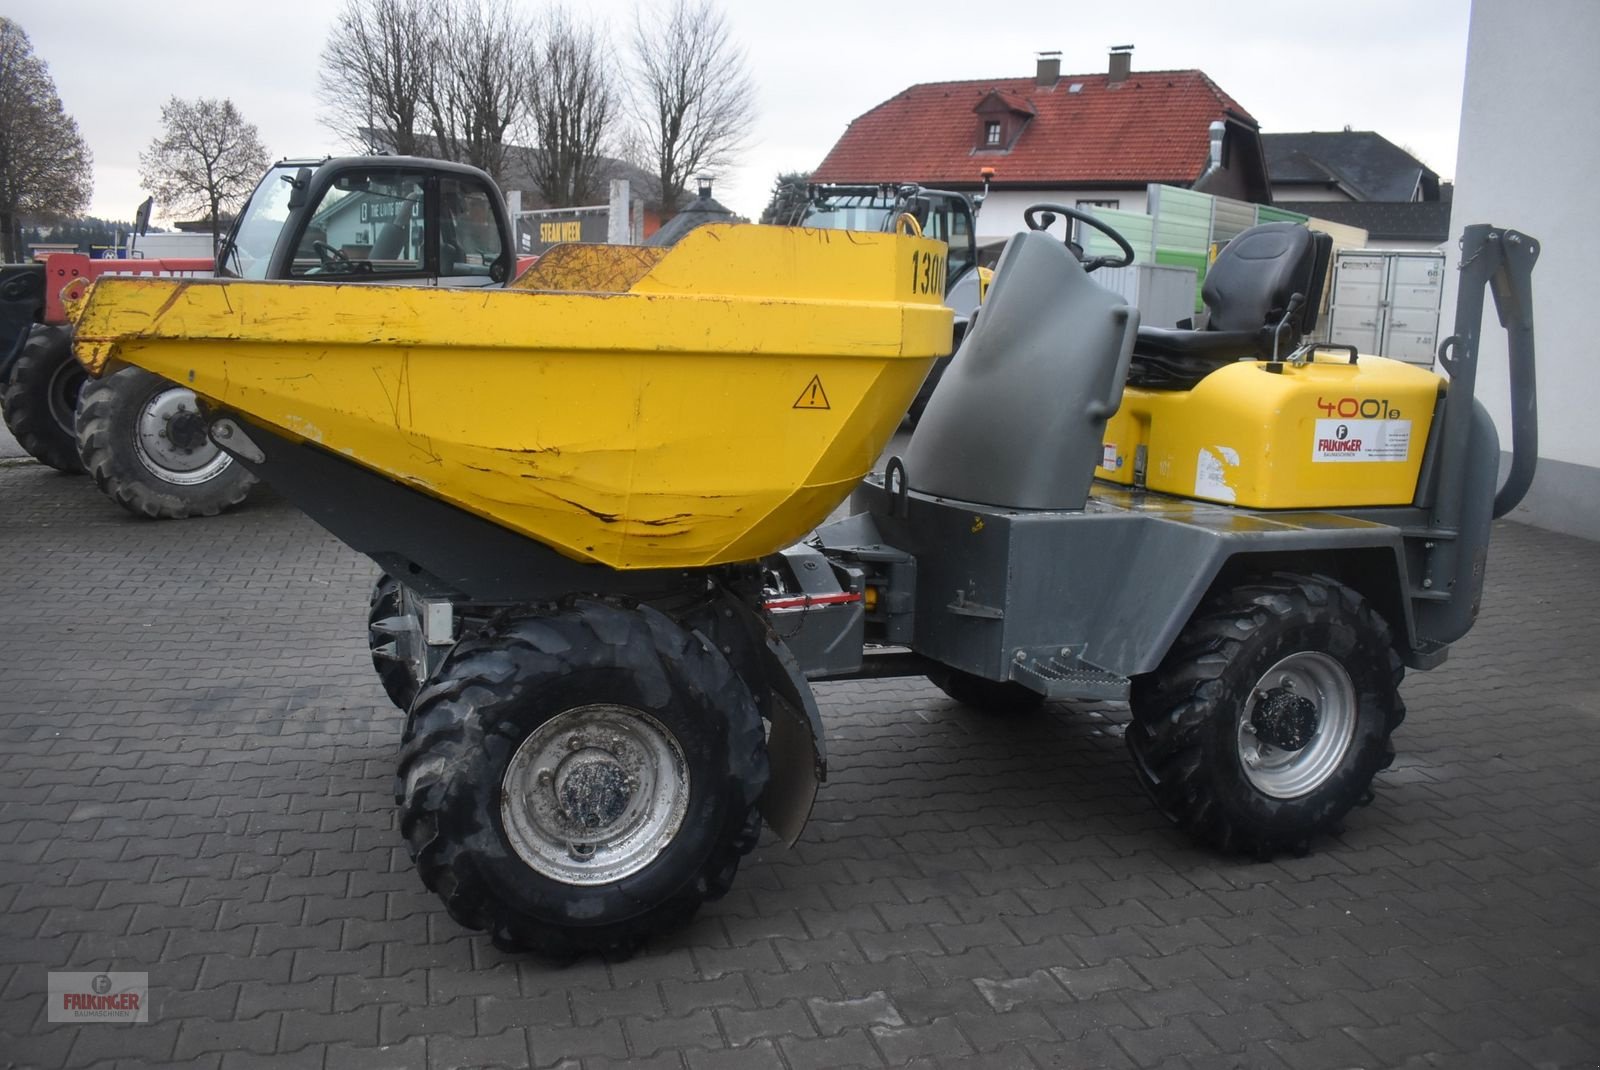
[
  {"x": 178, "y": 461},
  {"x": 1288, "y": 773},
  {"x": 594, "y": 794}
]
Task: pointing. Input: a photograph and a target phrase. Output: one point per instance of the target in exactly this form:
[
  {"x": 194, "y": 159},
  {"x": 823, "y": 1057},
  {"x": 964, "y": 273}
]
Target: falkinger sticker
[{"x": 1361, "y": 440}]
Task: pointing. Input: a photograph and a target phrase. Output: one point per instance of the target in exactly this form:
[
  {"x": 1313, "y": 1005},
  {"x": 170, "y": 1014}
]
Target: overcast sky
[{"x": 1394, "y": 66}]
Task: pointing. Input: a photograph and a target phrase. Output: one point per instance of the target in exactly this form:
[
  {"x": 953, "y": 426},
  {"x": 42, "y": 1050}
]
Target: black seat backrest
[
  {"x": 1255, "y": 275},
  {"x": 392, "y": 236}
]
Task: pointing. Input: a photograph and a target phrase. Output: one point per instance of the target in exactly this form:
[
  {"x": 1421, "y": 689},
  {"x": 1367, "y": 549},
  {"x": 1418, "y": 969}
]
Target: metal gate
[{"x": 1387, "y": 303}]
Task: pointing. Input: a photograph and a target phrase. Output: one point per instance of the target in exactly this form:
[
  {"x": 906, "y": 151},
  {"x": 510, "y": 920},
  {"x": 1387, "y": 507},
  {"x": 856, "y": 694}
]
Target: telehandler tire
[
  {"x": 1270, "y": 716},
  {"x": 394, "y": 636},
  {"x": 41, "y": 397},
  {"x": 989, "y": 696},
  {"x": 144, "y": 443},
  {"x": 579, "y": 782}
]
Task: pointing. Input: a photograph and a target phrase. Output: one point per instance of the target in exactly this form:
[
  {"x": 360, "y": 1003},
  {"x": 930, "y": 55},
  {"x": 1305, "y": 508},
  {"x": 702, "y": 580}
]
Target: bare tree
[
  {"x": 694, "y": 100},
  {"x": 572, "y": 103},
  {"x": 479, "y": 88},
  {"x": 377, "y": 65},
  {"x": 44, "y": 163},
  {"x": 206, "y": 159}
]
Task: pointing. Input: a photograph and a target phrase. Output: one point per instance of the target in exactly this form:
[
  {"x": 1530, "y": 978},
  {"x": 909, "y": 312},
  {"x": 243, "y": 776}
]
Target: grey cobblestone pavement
[{"x": 195, "y": 775}]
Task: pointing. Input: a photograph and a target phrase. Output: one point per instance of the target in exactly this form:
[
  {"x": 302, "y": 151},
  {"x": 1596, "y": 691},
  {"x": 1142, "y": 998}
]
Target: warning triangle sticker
[{"x": 813, "y": 396}]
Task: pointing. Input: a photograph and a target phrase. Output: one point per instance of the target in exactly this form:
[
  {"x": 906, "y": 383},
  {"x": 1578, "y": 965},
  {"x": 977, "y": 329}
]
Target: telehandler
[
  {"x": 597, "y": 488},
  {"x": 356, "y": 219}
]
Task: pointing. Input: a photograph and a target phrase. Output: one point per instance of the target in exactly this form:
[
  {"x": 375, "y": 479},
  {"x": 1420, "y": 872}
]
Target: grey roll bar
[{"x": 1500, "y": 260}]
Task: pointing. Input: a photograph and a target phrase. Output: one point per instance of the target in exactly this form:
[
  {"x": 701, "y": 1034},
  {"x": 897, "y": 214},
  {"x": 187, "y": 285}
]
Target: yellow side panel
[
  {"x": 1327, "y": 434},
  {"x": 714, "y": 410}
]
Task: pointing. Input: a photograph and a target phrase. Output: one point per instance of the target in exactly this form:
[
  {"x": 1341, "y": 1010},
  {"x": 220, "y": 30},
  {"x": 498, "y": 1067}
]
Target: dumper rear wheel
[
  {"x": 1271, "y": 715},
  {"x": 990, "y": 696},
  {"x": 144, "y": 442},
  {"x": 41, "y": 397},
  {"x": 579, "y": 782}
]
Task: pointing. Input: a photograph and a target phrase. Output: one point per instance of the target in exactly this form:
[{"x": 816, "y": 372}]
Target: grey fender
[
  {"x": 795, "y": 746},
  {"x": 795, "y": 749}
]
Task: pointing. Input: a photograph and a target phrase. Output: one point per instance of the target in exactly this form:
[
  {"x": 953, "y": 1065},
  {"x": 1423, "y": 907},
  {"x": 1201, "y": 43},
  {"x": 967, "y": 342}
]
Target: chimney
[
  {"x": 1121, "y": 64},
  {"x": 1049, "y": 72},
  {"x": 704, "y": 183}
]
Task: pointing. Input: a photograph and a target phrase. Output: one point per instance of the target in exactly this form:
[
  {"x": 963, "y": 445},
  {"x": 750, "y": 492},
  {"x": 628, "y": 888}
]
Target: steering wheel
[
  {"x": 1031, "y": 214},
  {"x": 332, "y": 258}
]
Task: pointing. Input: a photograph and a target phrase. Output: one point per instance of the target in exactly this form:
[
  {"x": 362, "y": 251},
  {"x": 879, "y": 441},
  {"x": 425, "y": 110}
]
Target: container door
[
  {"x": 1356, "y": 315},
  {"x": 1416, "y": 284}
]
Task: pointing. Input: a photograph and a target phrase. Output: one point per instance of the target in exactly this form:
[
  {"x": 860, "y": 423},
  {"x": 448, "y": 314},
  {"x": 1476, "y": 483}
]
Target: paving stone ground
[{"x": 195, "y": 763}]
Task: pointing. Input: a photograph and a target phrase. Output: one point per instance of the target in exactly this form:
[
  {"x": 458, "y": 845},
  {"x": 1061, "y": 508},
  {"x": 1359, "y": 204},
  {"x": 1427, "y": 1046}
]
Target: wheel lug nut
[
  {"x": 573, "y": 743},
  {"x": 546, "y": 777}
]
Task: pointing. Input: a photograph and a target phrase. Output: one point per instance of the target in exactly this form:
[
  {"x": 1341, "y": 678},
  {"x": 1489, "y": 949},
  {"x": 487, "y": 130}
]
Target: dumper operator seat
[{"x": 1261, "y": 296}]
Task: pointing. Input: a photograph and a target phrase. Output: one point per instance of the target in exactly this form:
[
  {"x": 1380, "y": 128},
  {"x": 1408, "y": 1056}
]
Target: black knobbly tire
[
  {"x": 394, "y": 636},
  {"x": 1194, "y": 717},
  {"x": 112, "y": 423},
  {"x": 495, "y": 695},
  {"x": 989, "y": 696},
  {"x": 41, "y": 396}
]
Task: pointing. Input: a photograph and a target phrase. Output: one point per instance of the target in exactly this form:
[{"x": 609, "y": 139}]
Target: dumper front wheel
[
  {"x": 144, "y": 442},
  {"x": 579, "y": 782},
  {"x": 41, "y": 398},
  {"x": 1271, "y": 715}
]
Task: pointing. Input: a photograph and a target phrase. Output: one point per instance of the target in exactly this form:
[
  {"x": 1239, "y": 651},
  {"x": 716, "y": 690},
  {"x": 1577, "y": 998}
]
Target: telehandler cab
[{"x": 597, "y": 486}]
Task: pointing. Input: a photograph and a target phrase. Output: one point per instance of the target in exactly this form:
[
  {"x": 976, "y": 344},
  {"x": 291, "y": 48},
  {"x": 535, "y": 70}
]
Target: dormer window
[{"x": 1002, "y": 116}]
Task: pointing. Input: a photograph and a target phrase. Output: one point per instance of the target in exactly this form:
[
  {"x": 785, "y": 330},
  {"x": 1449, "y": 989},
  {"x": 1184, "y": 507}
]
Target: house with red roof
[{"x": 1084, "y": 140}]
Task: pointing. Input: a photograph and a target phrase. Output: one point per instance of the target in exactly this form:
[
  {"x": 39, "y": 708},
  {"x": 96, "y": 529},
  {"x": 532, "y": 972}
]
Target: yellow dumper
[{"x": 591, "y": 493}]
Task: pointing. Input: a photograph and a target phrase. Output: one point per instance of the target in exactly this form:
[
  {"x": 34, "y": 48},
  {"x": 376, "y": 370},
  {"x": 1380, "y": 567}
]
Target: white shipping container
[
  {"x": 1387, "y": 303},
  {"x": 1163, "y": 293}
]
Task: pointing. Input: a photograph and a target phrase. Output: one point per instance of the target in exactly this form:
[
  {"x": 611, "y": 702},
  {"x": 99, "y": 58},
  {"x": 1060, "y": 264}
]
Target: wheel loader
[
  {"x": 393, "y": 219},
  {"x": 601, "y": 491}
]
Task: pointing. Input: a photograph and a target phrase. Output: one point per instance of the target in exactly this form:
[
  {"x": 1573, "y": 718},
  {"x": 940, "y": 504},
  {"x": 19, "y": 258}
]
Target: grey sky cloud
[{"x": 1394, "y": 66}]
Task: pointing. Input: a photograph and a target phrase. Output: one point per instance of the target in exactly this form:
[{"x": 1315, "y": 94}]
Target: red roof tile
[{"x": 1154, "y": 127}]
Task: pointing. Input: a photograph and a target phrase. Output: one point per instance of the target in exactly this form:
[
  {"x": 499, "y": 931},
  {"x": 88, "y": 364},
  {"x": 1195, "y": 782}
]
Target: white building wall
[
  {"x": 1528, "y": 158},
  {"x": 1001, "y": 215}
]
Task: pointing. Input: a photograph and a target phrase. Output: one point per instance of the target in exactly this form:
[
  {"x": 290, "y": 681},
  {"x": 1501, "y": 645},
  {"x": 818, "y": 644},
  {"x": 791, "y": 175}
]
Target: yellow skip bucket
[{"x": 634, "y": 407}]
